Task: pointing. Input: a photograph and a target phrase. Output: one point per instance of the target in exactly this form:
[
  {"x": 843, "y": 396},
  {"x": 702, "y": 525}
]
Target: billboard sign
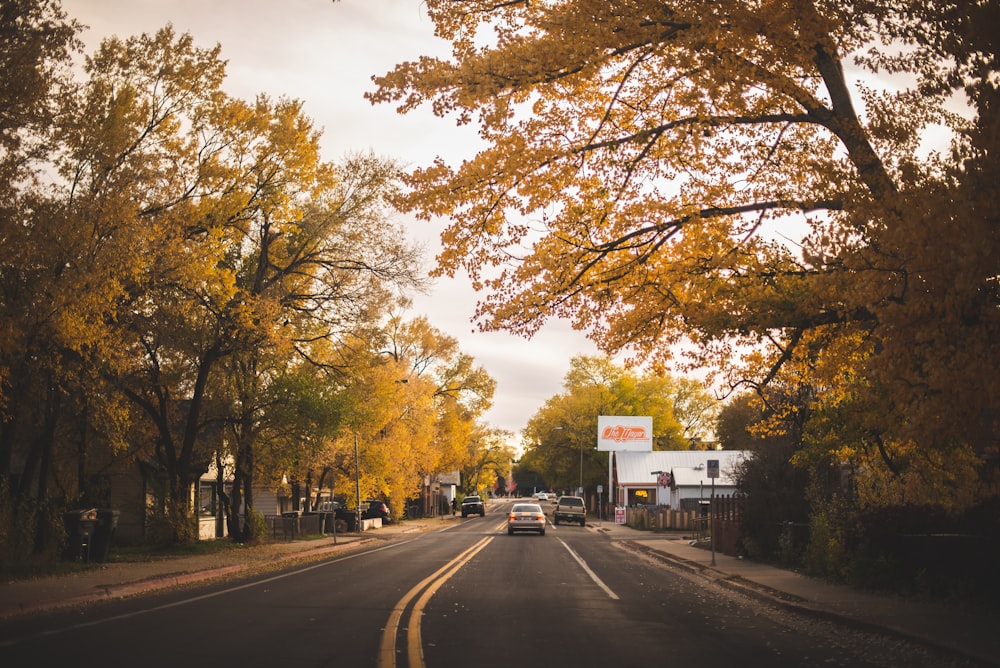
[{"x": 625, "y": 433}]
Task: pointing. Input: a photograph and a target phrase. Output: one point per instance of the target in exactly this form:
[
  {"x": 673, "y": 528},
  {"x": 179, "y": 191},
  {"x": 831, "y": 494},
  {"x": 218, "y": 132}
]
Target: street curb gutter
[{"x": 796, "y": 604}]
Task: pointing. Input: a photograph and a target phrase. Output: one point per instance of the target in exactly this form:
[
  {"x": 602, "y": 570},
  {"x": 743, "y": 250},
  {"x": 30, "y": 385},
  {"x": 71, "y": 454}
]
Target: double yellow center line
[{"x": 425, "y": 589}]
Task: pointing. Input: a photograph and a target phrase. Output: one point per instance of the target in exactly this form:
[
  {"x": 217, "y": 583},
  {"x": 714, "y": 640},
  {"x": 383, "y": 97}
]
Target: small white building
[{"x": 638, "y": 476}]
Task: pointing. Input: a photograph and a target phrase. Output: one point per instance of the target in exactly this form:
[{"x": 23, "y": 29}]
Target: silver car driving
[{"x": 526, "y": 517}]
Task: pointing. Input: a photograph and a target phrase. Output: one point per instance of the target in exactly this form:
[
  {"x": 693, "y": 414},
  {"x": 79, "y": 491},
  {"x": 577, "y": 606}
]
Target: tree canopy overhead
[{"x": 743, "y": 175}]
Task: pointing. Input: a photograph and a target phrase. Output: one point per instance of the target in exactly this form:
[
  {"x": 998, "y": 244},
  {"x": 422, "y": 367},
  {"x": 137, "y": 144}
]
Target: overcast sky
[{"x": 325, "y": 53}]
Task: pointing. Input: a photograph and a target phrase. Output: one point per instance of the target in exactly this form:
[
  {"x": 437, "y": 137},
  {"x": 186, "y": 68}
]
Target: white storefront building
[{"x": 640, "y": 477}]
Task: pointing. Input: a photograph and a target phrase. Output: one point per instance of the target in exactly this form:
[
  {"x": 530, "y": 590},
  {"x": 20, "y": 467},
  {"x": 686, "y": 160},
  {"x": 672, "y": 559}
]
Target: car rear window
[
  {"x": 526, "y": 508},
  {"x": 570, "y": 502}
]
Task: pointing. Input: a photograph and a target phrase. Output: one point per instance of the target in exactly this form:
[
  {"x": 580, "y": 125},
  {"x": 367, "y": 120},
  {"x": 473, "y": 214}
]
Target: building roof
[{"x": 689, "y": 467}]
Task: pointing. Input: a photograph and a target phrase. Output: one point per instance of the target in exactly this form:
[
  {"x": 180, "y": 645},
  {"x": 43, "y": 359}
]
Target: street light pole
[
  {"x": 357, "y": 484},
  {"x": 712, "y": 517}
]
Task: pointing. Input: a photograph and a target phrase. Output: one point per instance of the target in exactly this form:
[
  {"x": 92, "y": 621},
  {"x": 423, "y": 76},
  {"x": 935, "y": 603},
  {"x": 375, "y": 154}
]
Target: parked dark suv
[
  {"x": 473, "y": 505},
  {"x": 376, "y": 509}
]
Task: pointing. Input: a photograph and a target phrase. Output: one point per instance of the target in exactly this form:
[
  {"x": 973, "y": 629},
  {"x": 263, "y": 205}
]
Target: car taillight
[
  {"x": 540, "y": 517},
  {"x": 512, "y": 516}
]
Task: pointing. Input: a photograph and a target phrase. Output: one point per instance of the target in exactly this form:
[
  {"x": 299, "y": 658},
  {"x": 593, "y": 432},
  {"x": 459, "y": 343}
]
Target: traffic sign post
[
  {"x": 600, "y": 503},
  {"x": 713, "y": 473}
]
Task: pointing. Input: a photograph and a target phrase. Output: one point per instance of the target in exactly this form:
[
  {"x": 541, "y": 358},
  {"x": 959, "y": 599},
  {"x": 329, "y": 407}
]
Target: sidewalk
[
  {"x": 956, "y": 629},
  {"x": 960, "y": 630},
  {"x": 122, "y": 579}
]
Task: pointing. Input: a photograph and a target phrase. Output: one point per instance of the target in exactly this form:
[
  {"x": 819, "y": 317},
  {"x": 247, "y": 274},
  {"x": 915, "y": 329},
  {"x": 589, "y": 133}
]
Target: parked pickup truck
[
  {"x": 473, "y": 505},
  {"x": 570, "y": 509}
]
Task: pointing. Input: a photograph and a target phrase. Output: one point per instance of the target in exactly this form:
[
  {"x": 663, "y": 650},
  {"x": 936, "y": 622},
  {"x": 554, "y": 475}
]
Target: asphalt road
[{"x": 467, "y": 596}]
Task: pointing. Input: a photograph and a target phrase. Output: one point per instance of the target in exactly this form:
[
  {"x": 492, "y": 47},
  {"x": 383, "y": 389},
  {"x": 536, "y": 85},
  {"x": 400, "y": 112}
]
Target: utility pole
[{"x": 357, "y": 484}]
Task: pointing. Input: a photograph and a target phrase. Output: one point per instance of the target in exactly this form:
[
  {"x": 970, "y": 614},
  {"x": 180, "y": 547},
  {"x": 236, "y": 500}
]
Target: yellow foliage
[{"x": 700, "y": 172}]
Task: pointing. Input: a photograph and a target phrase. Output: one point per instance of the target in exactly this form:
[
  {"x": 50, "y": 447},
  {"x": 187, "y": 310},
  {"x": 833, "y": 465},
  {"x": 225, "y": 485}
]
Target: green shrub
[
  {"x": 256, "y": 529},
  {"x": 825, "y": 554}
]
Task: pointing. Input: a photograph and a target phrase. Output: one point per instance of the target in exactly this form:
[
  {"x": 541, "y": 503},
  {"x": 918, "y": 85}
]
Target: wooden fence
[
  {"x": 293, "y": 525},
  {"x": 662, "y": 518},
  {"x": 726, "y": 511},
  {"x": 290, "y": 526}
]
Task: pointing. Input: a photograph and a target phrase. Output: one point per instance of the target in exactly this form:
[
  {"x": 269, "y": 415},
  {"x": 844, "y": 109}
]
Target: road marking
[
  {"x": 414, "y": 645},
  {"x": 166, "y": 606},
  {"x": 592, "y": 574},
  {"x": 429, "y": 585}
]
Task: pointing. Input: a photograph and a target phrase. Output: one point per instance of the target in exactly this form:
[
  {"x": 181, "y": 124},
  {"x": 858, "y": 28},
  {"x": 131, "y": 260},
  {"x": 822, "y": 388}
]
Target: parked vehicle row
[
  {"x": 531, "y": 516},
  {"x": 525, "y": 516}
]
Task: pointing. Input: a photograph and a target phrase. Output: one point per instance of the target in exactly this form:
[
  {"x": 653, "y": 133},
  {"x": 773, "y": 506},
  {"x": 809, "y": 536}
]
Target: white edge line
[
  {"x": 143, "y": 611},
  {"x": 592, "y": 574}
]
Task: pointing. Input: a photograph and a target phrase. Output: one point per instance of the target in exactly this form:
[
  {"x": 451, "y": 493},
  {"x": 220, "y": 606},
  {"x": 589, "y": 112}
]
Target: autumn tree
[
  {"x": 453, "y": 392},
  {"x": 385, "y": 428},
  {"x": 37, "y": 378},
  {"x": 740, "y": 176},
  {"x": 281, "y": 418},
  {"x": 208, "y": 238},
  {"x": 323, "y": 271},
  {"x": 736, "y": 420},
  {"x": 37, "y": 41},
  {"x": 490, "y": 454},
  {"x": 409, "y": 405},
  {"x": 173, "y": 260},
  {"x": 775, "y": 493},
  {"x": 135, "y": 250}
]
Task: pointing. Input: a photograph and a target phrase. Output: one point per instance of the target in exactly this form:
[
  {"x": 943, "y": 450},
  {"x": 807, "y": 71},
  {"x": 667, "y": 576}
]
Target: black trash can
[
  {"x": 347, "y": 518},
  {"x": 80, "y": 528},
  {"x": 104, "y": 532}
]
